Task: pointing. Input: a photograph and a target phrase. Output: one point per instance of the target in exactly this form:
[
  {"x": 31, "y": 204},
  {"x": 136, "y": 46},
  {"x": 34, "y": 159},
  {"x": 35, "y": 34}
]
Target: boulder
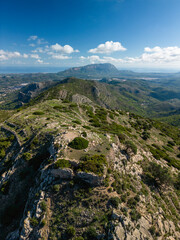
[
  {"x": 65, "y": 173},
  {"x": 91, "y": 178}
]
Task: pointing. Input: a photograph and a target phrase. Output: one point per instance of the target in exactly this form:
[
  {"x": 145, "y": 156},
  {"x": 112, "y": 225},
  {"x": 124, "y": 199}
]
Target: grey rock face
[
  {"x": 65, "y": 173},
  {"x": 77, "y": 98},
  {"x": 90, "y": 178}
]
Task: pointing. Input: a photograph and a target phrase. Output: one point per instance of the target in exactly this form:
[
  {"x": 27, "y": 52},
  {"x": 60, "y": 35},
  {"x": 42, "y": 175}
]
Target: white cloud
[
  {"x": 25, "y": 55},
  {"x": 96, "y": 59},
  {"x": 156, "y": 56},
  {"x": 66, "y": 49},
  {"x": 60, "y": 56},
  {"x": 32, "y": 38},
  {"x": 32, "y": 45},
  {"x": 41, "y": 41},
  {"x": 5, "y": 55},
  {"x": 39, "y": 61},
  {"x": 108, "y": 47},
  {"x": 36, "y": 56}
]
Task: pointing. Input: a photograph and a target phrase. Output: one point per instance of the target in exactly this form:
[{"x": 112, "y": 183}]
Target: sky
[{"x": 66, "y": 33}]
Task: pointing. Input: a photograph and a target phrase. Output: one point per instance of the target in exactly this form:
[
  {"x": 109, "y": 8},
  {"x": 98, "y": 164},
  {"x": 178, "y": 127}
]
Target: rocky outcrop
[
  {"x": 90, "y": 178},
  {"x": 65, "y": 173},
  {"x": 62, "y": 94},
  {"x": 77, "y": 98}
]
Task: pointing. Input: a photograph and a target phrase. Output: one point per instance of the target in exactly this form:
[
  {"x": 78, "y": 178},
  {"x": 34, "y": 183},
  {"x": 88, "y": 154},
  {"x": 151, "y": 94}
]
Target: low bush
[
  {"x": 157, "y": 175},
  {"x": 43, "y": 206},
  {"x": 27, "y": 156},
  {"x": 172, "y": 162},
  {"x": 62, "y": 163},
  {"x": 132, "y": 146},
  {"x": 135, "y": 216},
  {"x": 70, "y": 232},
  {"x": 114, "y": 201},
  {"x": 58, "y": 107},
  {"x": 79, "y": 143},
  {"x": 90, "y": 234},
  {"x": 93, "y": 164},
  {"x": 33, "y": 221},
  {"x": 38, "y": 113},
  {"x": 84, "y": 134},
  {"x": 76, "y": 121}
]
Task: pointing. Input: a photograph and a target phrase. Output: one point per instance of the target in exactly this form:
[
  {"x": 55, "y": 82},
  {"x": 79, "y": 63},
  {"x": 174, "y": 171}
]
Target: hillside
[
  {"x": 136, "y": 96},
  {"x": 152, "y": 95},
  {"x": 72, "y": 169}
]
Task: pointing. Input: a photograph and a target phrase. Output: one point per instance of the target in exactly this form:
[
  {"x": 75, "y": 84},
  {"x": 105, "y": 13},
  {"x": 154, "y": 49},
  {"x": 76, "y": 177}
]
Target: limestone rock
[
  {"x": 77, "y": 98},
  {"x": 90, "y": 178},
  {"x": 65, "y": 173}
]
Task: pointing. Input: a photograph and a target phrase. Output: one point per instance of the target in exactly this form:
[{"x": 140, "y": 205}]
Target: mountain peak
[{"x": 91, "y": 70}]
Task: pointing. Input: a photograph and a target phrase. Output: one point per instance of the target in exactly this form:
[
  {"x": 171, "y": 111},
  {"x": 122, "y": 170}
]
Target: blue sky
[{"x": 65, "y": 33}]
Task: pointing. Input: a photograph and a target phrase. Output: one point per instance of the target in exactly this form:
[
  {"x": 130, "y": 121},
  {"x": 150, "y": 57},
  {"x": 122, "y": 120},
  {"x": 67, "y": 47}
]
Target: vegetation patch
[
  {"x": 62, "y": 163},
  {"x": 132, "y": 146},
  {"x": 79, "y": 143},
  {"x": 38, "y": 113},
  {"x": 93, "y": 164}
]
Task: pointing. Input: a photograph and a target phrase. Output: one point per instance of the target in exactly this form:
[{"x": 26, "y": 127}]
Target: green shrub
[
  {"x": 62, "y": 163},
  {"x": 132, "y": 146},
  {"x": 58, "y": 107},
  {"x": 27, "y": 156},
  {"x": 79, "y": 238},
  {"x": 152, "y": 230},
  {"x": 70, "y": 232},
  {"x": 114, "y": 201},
  {"x": 43, "y": 223},
  {"x": 135, "y": 216},
  {"x": 172, "y": 162},
  {"x": 93, "y": 164},
  {"x": 86, "y": 127},
  {"x": 43, "y": 206},
  {"x": 2, "y": 153},
  {"x": 84, "y": 134},
  {"x": 132, "y": 202},
  {"x": 79, "y": 143},
  {"x": 33, "y": 221},
  {"x": 156, "y": 174},
  {"x": 121, "y": 137},
  {"x": 90, "y": 234},
  {"x": 76, "y": 121},
  {"x": 56, "y": 188},
  {"x": 38, "y": 113},
  {"x": 145, "y": 135}
]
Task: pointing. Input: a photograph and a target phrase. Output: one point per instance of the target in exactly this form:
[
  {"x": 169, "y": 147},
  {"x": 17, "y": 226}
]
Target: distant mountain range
[{"x": 95, "y": 70}]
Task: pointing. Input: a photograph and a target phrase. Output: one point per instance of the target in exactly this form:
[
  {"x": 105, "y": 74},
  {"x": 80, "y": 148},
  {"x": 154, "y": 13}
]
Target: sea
[{"x": 13, "y": 69}]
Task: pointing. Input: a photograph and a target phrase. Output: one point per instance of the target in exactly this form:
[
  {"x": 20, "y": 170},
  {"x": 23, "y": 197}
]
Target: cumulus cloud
[
  {"x": 66, "y": 49},
  {"x": 155, "y": 55},
  {"x": 158, "y": 54},
  {"x": 5, "y": 55},
  {"x": 39, "y": 61},
  {"x": 60, "y": 56},
  {"x": 36, "y": 56},
  {"x": 96, "y": 59},
  {"x": 25, "y": 55},
  {"x": 32, "y": 38},
  {"x": 108, "y": 47}
]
